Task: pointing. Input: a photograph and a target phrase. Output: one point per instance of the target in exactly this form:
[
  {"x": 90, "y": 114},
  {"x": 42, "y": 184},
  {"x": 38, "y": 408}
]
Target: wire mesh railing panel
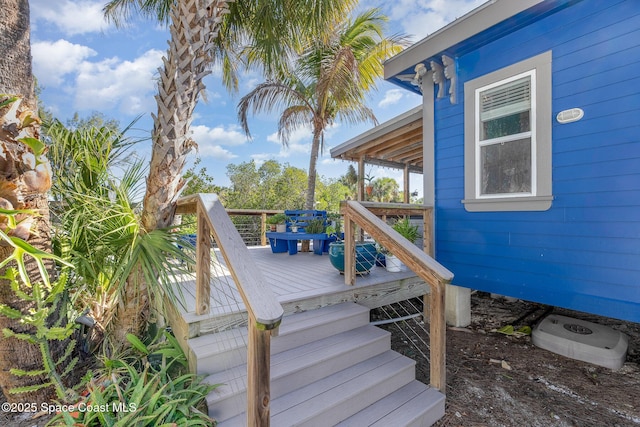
[
  {"x": 225, "y": 296},
  {"x": 409, "y": 332},
  {"x": 249, "y": 227}
]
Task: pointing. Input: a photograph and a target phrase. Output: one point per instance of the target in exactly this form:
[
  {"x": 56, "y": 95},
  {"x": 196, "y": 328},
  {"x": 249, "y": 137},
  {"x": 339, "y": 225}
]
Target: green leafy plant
[
  {"x": 278, "y": 218},
  {"x": 407, "y": 230},
  {"x": 315, "y": 226},
  {"x": 96, "y": 187},
  {"x": 146, "y": 386},
  {"x": 43, "y": 297}
]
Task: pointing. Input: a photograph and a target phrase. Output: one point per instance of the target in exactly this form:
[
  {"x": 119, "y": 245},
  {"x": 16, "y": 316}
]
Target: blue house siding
[{"x": 584, "y": 252}]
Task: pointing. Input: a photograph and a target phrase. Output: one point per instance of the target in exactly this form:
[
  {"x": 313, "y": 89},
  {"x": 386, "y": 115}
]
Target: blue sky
[{"x": 84, "y": 64}]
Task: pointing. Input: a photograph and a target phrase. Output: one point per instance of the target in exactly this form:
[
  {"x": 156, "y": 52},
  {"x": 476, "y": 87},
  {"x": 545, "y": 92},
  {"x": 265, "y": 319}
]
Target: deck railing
[
  {"x": 427, "y": 268},
  {"x": 252, "y": 224},
  {"x": 265, "y": 312}
]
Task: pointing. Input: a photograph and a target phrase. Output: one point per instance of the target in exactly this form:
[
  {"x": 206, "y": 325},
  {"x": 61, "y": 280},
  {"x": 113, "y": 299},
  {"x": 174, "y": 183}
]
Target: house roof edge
[{"x": 470, "y": 24}]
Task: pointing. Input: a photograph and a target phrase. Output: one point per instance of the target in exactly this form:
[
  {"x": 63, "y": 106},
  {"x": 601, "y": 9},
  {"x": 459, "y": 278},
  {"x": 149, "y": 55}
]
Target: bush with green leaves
[
  {"x": 146, "y": 386},
  {"x": 407, "y": 229}
]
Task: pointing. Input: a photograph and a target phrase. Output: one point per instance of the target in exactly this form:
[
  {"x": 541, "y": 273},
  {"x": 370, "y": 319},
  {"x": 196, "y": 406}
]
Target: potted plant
[
  {"x": 369, "y": 183},
  {"x": 316, "y": 226},
  {"x": 365, "y": 256},
  {"x": 293, "y": 224},
  {"x": 409, "y": 232},
  {"x": 273, "y": 221},
  {"x": 280, "y": 220}
]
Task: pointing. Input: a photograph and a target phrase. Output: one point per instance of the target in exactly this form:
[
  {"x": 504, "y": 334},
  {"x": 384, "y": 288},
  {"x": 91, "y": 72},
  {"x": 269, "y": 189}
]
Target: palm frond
[
  {"x": 291, "y": 119},
  {"x": 267, "y": 97}
]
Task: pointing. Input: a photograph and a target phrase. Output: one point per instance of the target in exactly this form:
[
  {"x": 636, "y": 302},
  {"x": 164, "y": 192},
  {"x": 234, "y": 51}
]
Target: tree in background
[
  {"x": 350, "y": 179},
  {"x": 197, "y": 180},
  {"x": 270, "y": 186},
  {"x": 386, "y": 190},
  {"x": 328, "y": 81},
  {"x": 329, "y": 194}
]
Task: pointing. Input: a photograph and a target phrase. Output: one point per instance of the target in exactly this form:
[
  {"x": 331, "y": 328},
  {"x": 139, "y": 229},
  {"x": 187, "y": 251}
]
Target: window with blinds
[
  {"x": 504, "y": 146},
  {"x": 507, "y": 138}
]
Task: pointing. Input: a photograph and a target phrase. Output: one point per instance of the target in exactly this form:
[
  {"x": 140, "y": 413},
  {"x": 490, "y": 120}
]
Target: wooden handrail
[
  {"x": 427, "y": 268},
  {"x": 265, "y": 312},
  {"x": 260, "y": 301}
]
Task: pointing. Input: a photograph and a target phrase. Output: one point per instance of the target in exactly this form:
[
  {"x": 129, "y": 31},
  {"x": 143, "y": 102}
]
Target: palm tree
[
  {"x": 385, "y": 189},
  {"x": 328, "y": 82},
  {"x": 259, "y": 33},
  {"x": 99, "y": 229},
  {"x": 25, "y": 179},
  {"x": 262, "y": 33}
]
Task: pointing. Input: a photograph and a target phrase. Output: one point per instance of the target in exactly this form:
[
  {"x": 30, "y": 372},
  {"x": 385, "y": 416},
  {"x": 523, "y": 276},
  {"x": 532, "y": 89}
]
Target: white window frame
[{"x": 538, "y": 68}]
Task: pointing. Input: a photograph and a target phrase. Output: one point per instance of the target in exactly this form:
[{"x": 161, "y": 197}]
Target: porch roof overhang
[{"x": 396, "y": 143}]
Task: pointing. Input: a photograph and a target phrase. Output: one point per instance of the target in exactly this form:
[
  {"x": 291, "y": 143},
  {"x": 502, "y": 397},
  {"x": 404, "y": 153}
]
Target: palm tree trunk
[
  {"x": 25, "y": 178},
  {"x": 193, "y": 30},
  {"x": 313, "y": 160}
]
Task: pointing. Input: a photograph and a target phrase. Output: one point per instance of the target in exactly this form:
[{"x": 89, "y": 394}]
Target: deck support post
[
  {"x": 406, "y": 185},
  {"x": 203, "y": 262},
  {"x": 349, "y": 252},
  {"x": 263, "y": 229},
  {"x": 437, "y": 331},
  {"x": 258, "y": 376}
]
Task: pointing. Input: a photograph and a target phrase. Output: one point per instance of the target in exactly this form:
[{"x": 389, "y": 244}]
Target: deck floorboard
[{"x": 300, "y": 282}]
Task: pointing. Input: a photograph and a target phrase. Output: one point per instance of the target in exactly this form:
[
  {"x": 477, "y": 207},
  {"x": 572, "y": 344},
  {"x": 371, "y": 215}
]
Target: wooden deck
[{"x": 300, "y": 282}]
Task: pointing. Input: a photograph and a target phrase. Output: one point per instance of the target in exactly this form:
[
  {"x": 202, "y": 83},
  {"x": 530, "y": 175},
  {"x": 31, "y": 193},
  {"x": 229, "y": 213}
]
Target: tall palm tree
[
  {"x": 328, "y": 82},
  {"x": 25, "y": 178},
  {"x": 258, "y": 33},
  {"x": 263, "y": 33}
]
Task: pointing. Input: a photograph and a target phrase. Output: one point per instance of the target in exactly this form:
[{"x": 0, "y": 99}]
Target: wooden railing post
[
  {"x": 258, "y": 376},
  {"x": 263, "y": 229},
  {"x": 349, "y": 252},
  {"x": 203, "y": 263},
  {"x": 438, "y": 341},
  {"x": 427, "y": 268}
]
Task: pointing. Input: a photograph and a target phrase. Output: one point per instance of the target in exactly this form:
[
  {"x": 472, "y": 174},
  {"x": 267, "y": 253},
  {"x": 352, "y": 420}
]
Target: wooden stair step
[
  {"x": 414, "y": 405},
  {"x": 216, "y": 352},
  {"x": 336, "y": 397},
  {"x": 297, "y": 367}
]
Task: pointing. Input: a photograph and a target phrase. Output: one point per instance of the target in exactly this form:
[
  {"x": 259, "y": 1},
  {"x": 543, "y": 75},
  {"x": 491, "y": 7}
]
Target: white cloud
[
  {"x": 301, "y": 134},
  {"x": 219, "y": 135},
  {"x": 391, "y": 97},
  {"x": 419, "y": 18},
  {"x": 211, "y": 141},
  {"x": 71, "y": 17},
  {"x": 53, "y": 60},
  {"x": 215, "y": 151},
  {"x": 112, "y": 83}
]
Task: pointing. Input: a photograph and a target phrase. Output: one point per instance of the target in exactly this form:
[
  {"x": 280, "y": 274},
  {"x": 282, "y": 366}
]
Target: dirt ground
[{"x": 500, "y": 380}]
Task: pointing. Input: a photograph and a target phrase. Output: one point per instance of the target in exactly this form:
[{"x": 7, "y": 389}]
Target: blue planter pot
[{"x": 365, "y": 256}]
